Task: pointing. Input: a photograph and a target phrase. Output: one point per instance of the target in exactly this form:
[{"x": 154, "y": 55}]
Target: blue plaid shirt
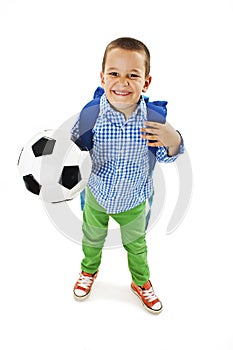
[{"x": 121, "y": 178}]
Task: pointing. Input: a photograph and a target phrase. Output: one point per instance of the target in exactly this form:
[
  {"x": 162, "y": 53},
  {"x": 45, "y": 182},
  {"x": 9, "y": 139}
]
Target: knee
[{"x": 136, "y": 247}]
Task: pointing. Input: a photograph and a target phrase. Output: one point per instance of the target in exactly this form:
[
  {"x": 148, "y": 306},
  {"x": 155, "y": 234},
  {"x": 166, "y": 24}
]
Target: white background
[{"x": 51, "y": 54}]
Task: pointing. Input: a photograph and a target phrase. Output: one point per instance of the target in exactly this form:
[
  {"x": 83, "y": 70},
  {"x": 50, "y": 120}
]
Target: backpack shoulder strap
[
  {"x": 86, "y": 122},
  {"x": 156, "y": 110}
]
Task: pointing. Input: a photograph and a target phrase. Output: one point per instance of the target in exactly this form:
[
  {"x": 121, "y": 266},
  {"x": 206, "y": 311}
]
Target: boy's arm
[{"x": 166, "y": 138}]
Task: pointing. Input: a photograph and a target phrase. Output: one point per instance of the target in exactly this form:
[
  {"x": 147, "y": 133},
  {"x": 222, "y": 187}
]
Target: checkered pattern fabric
[{"x": 120, "y": 178}]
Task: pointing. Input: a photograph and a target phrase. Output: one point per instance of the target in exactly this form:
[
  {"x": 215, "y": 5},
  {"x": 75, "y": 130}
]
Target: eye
[
  {"x": 113, "y": 74},
  {"x": 133, "y": 76}
]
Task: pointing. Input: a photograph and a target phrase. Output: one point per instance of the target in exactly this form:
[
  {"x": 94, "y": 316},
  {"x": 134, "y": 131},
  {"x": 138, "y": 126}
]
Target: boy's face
[{"x": 124, "y": 79}]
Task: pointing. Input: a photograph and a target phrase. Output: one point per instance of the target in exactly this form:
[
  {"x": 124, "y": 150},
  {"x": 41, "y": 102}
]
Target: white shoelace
[
  {"x": 149, "y": 294},
  {"x": 85, "y": 281}
]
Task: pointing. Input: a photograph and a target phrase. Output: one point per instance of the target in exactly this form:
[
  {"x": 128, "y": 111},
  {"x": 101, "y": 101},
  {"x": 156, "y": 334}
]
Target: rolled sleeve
[{"x": 75, "y": 129}]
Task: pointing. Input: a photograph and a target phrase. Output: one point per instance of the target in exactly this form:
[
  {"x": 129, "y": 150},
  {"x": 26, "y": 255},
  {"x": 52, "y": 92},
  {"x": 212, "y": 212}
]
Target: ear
[
  {"x": 102, "y": 79},
  {"x": 147, "y": 83}
]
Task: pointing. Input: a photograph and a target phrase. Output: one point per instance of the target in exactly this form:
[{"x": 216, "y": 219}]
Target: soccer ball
[{"x": 53, "y": 167}]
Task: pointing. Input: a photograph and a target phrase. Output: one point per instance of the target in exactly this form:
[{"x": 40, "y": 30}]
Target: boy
[{"x": 121, "y": 180}]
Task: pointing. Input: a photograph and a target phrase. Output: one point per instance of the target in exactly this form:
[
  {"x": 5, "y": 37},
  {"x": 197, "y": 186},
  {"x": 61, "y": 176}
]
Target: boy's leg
[
  {"x": 132, "y": 224},
  {"x": 95, "y": 227}
]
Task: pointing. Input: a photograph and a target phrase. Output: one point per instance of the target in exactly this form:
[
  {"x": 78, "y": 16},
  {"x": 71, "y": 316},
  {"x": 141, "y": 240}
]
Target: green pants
[{"x": 132, "y": 226}]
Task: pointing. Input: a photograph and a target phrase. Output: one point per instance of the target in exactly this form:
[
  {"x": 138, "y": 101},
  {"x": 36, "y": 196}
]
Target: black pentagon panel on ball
[
  {"x": 43, "y": 146},
  {"x": 31, "y": 184},
  {"x": 70, "y": 176}
]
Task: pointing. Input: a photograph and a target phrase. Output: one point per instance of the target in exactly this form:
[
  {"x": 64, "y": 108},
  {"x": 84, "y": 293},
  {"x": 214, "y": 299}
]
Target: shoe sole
[
  {"x": 145, "y": 306},
  {"x": 81, "y": 298}
]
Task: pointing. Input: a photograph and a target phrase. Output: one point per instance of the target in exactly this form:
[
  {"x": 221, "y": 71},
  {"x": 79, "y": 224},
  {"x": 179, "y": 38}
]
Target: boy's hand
[{"x": 161, "y": 135}]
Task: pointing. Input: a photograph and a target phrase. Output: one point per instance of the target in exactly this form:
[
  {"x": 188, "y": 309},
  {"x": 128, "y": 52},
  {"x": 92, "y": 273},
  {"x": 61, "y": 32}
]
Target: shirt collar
[{"x": 106, "y": 109}]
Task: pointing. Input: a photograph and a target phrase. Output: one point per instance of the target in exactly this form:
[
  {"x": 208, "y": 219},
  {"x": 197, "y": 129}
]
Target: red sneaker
[
  {"x": 83, "y": 285},
  {"x": 147, "y": 295}
]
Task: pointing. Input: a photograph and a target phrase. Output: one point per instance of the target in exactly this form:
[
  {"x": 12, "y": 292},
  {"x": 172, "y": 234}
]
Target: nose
[{"x": 124, "y": 81}]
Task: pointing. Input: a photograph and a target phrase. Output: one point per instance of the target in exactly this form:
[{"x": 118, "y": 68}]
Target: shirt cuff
[{"x": 181, "y": 148}]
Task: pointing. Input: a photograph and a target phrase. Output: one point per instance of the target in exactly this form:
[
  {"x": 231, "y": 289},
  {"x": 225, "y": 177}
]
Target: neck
[{"x": 126, "y": 110}]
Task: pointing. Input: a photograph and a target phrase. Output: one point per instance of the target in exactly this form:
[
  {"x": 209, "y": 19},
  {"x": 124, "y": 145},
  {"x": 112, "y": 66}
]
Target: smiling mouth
[{"x": 121, "y": 93}]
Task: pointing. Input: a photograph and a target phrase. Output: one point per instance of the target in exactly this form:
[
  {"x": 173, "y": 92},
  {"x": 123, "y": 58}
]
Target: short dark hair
[{"x": 130, "y": 44}]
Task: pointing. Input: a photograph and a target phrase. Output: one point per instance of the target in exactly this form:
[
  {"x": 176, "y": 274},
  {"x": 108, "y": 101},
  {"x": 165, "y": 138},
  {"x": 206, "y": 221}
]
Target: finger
[
  {"x": 153, "y": 124},
  {"x": 150, "y": 137},
  {"x": 154, "y": 144},
  {"x": 156, "y": 141},
  {"x": 149, "y": 131}
]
